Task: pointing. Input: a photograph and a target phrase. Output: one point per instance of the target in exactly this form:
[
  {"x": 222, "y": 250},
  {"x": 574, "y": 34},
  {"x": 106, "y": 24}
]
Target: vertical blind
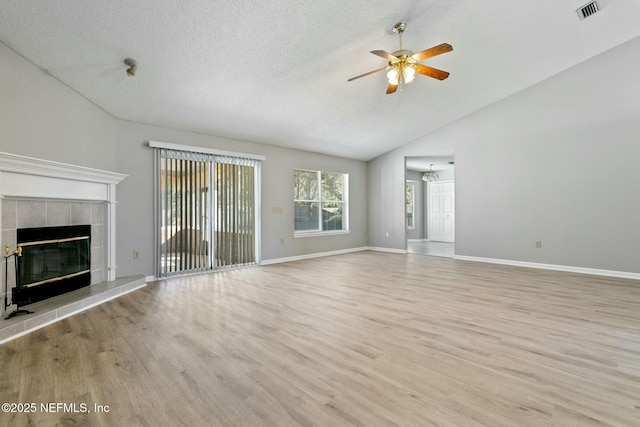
[
  {"x": 235, "y": 211},
  {"x": 206, "y": 211}
]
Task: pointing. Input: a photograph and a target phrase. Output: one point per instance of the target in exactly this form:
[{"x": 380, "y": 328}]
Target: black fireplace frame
[{"x": 23, "y": 294}]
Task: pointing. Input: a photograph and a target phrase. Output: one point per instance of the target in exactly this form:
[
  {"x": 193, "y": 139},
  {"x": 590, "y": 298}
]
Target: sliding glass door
[
  {"x": 206, "y": 211},
  {"x": 234, "y": 223}
]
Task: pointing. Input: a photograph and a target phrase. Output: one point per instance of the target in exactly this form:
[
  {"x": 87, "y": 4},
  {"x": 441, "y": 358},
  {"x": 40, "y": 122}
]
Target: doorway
[{"x": 430, "y": 225}]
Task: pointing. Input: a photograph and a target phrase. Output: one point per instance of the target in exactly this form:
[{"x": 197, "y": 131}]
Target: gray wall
[
  {"x": 135, "y": 195},
  {"x": 42, "y": 118},
  {"x": 557, "y": 162}
]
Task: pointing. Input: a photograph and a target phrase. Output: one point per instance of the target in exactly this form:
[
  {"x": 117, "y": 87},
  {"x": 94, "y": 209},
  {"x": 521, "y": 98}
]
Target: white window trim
[{"x": 345, "y": 219}]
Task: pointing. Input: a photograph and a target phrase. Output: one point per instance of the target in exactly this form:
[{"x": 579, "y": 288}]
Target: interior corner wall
[
  {"x": 42, "y": 118},
  {"x": 556, "y": 163}
]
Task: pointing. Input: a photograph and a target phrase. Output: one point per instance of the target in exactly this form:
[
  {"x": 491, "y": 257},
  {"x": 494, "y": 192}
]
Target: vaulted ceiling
[{"x": 276, "y": 71}]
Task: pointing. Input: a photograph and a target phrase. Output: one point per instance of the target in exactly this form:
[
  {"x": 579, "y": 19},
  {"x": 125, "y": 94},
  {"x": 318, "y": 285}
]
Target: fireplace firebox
[{"x": 51, "y": 261}]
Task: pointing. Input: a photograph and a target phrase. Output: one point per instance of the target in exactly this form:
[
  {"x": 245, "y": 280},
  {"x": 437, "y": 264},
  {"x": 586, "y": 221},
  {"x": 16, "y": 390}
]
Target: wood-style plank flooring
[{"x": 362, "y": 339}]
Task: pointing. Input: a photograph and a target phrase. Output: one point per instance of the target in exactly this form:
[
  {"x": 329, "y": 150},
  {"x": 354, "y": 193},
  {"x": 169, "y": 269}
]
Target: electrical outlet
[
  {"x": 538, "y": 244},
  {"x": 136, "y": 254},
  {"x": 386, "y": 234},
  {"x": 282, "y": 241}
]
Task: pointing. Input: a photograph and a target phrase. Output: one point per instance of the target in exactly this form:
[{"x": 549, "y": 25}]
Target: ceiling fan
[{"x": 403, "y": 64}]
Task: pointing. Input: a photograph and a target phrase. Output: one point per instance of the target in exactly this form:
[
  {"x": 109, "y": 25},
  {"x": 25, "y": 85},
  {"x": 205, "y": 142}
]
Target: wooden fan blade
[
  {"x": 391, "y": 88},
  {"x": 385, "y": 55},
  {"x": 436, "y": 50},
  {"x": 367, "y": 74},
  {"x": 430, "y": 72}
]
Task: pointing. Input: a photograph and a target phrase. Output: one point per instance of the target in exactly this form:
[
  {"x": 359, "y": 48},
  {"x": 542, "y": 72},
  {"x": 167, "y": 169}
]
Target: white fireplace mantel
[{"x": 28, "y": 177}]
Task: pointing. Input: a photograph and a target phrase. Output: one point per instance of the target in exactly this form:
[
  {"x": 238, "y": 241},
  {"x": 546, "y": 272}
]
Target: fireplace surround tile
[
  {"x": 97, "y": 213},
  {"x": 97, "y": 265},
  {"x": 33, "y": 320},
  {"x": 9, "y": 331},
  {"x": 8, "y": 237},
  {"x": 9, "y": 214},
  {"x": 31, "y": 213},
  {"x": 58, "y": 213},
  {"x": 81, "y": 213},
  {"x": 96, "y": 235},
  {"x": 75, "y": 306}
]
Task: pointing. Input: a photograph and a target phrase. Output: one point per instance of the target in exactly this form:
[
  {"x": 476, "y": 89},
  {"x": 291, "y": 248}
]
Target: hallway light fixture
[{"x": 430, "y": 176}]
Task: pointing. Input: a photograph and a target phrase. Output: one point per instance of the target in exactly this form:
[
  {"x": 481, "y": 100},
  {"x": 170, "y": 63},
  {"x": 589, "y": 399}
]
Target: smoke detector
[
  {"x": 133, "y": 66},
  {"x": 588, "y": 9}
]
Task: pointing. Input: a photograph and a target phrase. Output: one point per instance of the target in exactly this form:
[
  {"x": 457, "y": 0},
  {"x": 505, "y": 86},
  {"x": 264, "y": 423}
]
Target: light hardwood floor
[{"x": 362, "y": 339}]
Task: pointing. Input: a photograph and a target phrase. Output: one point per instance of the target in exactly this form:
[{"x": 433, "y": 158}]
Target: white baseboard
[
  {"x": 567, "y": 268},
  {"x": 338, "y": 252},
  {"x": 314, "y": 255},
  {"x": 392, "y": 250}
]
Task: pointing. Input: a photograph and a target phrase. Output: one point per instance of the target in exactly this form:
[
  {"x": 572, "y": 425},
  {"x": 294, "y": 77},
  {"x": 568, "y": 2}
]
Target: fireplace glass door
[
  {"x": 52, "y": 261},
  {"x": 47, "y": 261}
]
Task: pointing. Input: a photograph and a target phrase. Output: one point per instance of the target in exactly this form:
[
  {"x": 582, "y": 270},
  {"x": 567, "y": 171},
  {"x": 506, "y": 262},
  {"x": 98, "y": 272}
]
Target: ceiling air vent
[{"x": 588, "y": 9}]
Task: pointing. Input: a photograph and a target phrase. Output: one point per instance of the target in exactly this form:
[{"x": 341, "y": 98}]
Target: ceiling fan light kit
[{"x": 403, "y": 64}]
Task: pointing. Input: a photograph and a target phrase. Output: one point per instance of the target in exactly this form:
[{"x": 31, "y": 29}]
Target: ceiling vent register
[{"x": 588, "y": 9}]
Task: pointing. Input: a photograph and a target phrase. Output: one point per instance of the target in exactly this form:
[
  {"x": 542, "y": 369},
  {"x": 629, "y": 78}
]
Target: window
[
  {"x": 411, "y": 205},
  {"x": 320, "y": 202}
]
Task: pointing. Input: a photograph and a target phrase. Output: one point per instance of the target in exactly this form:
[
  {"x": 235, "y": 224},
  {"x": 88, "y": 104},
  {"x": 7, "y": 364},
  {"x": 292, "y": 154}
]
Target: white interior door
[{"x": 441, "y": 211}]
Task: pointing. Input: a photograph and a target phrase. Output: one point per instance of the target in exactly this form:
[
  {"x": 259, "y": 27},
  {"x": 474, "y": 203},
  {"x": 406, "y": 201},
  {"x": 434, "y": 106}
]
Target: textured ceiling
[{"x": 276, "y": 71}]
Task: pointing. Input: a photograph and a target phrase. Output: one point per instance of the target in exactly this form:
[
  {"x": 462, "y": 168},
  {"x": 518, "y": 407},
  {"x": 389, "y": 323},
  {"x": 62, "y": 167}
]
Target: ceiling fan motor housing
[{"x": 402, "y": 54}]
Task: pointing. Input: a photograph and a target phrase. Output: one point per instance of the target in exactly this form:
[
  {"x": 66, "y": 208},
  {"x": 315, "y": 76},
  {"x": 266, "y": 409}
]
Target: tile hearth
[{"x": 57, "y": 308}]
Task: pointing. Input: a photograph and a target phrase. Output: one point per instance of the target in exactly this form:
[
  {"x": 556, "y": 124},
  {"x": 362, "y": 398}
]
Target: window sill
[{"x": 300, "y": 234}]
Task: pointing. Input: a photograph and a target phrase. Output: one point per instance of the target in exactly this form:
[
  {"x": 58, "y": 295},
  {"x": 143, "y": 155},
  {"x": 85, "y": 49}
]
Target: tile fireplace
[{"x": 46, "y": 198}]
